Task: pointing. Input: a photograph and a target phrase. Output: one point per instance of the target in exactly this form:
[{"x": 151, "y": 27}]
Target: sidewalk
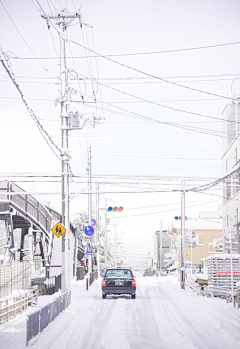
[{"x": 13, "y": 332}]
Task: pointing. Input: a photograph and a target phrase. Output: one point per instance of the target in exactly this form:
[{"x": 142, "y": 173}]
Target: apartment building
[{"x": 231, "y": 162}]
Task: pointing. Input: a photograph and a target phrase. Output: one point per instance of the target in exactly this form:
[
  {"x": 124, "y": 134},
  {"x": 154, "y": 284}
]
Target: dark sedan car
[{"x": 118, "y": 281}]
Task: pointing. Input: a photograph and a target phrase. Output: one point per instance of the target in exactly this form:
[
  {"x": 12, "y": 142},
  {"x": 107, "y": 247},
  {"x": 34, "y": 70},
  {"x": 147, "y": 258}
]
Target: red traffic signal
[
  {"x": 115, "y": 209},
  {"x": 180, "y": 218}
]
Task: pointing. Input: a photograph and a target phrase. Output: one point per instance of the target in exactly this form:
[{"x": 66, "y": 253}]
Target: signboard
[
  {"x": 88, "y": 230},
  {"x": 89, "y": 250},
  {"x": 94, "y": 222},
  {"x": 227, "y": 273},
  {"x": 58, "y": 230}
]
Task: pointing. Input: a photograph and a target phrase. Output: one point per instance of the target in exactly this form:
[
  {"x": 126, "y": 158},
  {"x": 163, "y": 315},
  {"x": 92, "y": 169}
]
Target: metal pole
[
  {"x": 115, "y": 258},
  {"x": 89, "y": 209},
  {"x": 158, "y": 250},
  {"x": 105, "y": 243},
  {"x": 231, "y": 266},
  {"x": 182, "y": 269},
  {"x": 97, "y": 229},
  {"x": 191, "y": 260},
  {"x": 160, "y": 246}
]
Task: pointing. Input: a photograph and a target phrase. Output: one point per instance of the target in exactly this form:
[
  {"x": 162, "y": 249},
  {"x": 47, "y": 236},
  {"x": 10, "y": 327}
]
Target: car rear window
[{"x": 118, "y": 273}]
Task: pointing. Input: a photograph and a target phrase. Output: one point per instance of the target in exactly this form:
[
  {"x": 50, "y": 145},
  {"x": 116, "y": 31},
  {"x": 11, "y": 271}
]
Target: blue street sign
[
  {"x": 89, "y": 250},
  {"x": 85, "y": 256},
  {"x": 88, "y": 230},
  {"x": 176, "y": 218}
]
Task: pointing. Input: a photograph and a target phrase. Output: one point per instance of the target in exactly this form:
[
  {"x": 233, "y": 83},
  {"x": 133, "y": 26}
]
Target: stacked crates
[{"x": 219, "y": 270}]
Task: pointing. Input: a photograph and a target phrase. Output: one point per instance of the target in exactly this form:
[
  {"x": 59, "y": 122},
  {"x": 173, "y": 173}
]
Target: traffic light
[
  {"x": 179, "y": 218},
  {"x": 115, "y": 209}
]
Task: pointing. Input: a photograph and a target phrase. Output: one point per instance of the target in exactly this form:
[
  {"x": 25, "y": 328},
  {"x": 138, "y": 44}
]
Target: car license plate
[{"x": 118, "y": 283}]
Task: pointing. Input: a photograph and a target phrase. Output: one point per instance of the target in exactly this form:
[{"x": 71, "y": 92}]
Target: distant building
[{"x": 204, "y": 242}]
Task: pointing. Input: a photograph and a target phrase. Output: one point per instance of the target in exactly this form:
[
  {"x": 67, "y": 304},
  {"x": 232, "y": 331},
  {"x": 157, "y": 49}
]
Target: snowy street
[{"x": 162, "y": 316}]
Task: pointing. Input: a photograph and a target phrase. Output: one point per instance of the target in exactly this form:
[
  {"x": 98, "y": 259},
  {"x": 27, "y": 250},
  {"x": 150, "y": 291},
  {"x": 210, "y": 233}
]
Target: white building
[{"x": 230, "y": 162}]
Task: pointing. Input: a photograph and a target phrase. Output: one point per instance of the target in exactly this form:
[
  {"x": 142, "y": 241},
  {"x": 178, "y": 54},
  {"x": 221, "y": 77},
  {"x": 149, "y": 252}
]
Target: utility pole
[
  {"x": 89, "y": 169},
  {"x": 160, "y": 246},
  {"x": 97, "y": 229},
  {"x": 182, "y": 266},
  {"x": 63, "y": 18}
]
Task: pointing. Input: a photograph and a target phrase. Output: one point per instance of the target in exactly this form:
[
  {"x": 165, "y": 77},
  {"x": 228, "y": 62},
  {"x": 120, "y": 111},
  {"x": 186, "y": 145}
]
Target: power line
[
  {"x": 149, "y": 52},
  {"x": 7, "y": 65},
  {"x": 162, "y": 105},
  {"x": 134, "y": 69},
  {"x": 22, "y": 37},
  {"x": 152, "y": 76}
]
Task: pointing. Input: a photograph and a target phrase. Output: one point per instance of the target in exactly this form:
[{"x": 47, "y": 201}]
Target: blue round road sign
[
  {"x": 94, "y": 222},
  {"x": 88, "y": 230},
  {"x": 176, "y": 218}
]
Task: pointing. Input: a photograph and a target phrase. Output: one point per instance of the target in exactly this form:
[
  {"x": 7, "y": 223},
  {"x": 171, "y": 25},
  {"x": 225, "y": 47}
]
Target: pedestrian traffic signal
[
  {"x": 115, "y": 209},
  {"x": 179, "y": 218}
]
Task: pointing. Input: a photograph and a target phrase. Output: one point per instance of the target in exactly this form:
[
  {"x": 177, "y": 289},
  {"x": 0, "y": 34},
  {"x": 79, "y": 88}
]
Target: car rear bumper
[{"x": 118, "y": 290}]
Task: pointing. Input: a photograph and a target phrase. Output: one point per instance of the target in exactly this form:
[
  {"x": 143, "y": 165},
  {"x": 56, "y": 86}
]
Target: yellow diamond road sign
[{"x": 58, "y": 230}]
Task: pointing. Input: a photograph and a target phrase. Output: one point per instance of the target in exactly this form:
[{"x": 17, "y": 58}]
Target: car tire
[
  {"x": 133, "y": 296},
  {"x": 103, "y": 296}
]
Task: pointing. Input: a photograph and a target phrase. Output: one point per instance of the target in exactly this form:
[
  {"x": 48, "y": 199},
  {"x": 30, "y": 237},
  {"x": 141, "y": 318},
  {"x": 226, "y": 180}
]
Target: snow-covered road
[{"x": 162, "y": 316}]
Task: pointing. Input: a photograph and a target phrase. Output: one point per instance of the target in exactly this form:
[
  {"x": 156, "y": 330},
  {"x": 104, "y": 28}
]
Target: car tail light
[
  {"x": 104, "y": 283},
  {"x": 134, "y": 283}
]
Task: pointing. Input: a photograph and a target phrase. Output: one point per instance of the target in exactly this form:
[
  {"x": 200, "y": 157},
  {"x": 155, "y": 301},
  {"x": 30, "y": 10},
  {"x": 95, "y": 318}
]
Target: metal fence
[
  {"x": 26, "y": 203},
  {"x": 93, "y": 277},
  {"x": 11, "y": 306},
  {"x": 49, "y": 283},
  {"x": 39, "y": 320},
  {"x": 47, "y": 286},
  {"x": 16, "y": 276}
]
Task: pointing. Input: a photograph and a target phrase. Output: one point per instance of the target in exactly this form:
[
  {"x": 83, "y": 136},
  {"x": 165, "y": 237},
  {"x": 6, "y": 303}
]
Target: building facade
[{"x": 231, "y": 162}]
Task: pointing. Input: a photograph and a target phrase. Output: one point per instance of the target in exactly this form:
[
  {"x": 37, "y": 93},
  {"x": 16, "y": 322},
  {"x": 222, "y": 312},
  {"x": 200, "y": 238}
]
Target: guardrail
[
  {"x": 193, "y": 285},
  {"x": 39, "y": 320},
  {"x": 11, "y": 306},
  {"x": 218, "y": 292}
]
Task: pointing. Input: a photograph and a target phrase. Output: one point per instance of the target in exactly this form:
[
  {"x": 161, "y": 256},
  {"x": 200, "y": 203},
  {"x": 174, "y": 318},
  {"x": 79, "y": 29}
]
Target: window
[
  {"x": 200, "y": 239},
  {"x": 119, "y": 273}
]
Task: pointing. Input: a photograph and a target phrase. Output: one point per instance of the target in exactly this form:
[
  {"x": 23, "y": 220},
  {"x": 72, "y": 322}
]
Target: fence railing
[
  {"x": 47, "y": 286},
  {"x": 93, "y": 277},
  {"x": 27, "y": 204},
  {"x": 16, "y": 276},
  {"x": 11, "y": 306},
  {"x": 39, "y": 320}
]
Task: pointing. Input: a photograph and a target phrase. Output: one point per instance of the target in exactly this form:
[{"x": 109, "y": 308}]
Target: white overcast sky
[{"x": 124, "y": 145}]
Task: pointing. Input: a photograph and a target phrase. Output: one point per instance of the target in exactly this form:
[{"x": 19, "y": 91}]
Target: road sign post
[
  {"x": 230, "y": 234},
  {"x": 182, "y": 266}
]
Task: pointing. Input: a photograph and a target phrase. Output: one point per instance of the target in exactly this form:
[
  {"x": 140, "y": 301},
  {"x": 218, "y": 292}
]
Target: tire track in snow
[{"x": 191, "y": 329}]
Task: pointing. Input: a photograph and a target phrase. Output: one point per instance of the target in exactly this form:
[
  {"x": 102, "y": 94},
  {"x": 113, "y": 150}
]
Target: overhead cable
[{"x": 7, "y": 65}]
